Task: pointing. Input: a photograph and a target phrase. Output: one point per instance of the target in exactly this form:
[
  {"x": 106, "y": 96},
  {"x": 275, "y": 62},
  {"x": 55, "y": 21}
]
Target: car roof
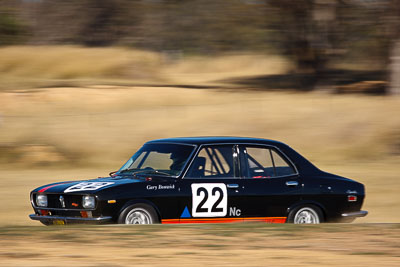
[
  {"x": 301, "y": 163},
  {"x": 216, "y": 140}
]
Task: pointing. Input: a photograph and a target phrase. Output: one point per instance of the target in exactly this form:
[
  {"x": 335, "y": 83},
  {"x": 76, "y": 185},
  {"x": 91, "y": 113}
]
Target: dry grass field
[
  {"x": 85, "y": 127},
  {"x": 44, "y": 66},
  {"x": 250, "y": 244},
  {"x": 103, "y": 122}
]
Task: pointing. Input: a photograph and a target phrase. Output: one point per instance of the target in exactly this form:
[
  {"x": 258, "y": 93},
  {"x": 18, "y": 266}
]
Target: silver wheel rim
[
  {"x": 306, "y": 216},
  {"x": 138, "y": 216}
]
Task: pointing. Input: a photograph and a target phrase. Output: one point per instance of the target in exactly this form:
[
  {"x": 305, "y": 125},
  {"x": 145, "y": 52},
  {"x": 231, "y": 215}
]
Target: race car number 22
[{"x": 209, "y": 200}]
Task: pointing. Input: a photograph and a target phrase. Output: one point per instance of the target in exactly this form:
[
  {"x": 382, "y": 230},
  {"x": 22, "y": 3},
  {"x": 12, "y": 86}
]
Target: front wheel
[
  {"x": 308, "y": 214},
  {"x": 138, "y": 214}
]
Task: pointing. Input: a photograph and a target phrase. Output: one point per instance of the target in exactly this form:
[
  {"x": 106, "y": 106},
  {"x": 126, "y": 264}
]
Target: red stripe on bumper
[{"x": 226, "y": 220}]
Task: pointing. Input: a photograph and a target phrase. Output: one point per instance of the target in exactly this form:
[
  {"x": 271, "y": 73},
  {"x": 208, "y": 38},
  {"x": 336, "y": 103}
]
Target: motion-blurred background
[{"x": 84, "y": 83}]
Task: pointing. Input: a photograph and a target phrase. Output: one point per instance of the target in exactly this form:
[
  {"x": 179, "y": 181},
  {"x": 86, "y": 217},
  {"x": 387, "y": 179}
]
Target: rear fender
[{"x": 308, "y": 202}]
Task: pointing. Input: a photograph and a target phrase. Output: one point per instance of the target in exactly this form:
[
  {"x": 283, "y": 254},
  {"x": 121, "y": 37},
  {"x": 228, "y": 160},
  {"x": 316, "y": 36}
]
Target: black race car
[{"x": 205, "y": 180}]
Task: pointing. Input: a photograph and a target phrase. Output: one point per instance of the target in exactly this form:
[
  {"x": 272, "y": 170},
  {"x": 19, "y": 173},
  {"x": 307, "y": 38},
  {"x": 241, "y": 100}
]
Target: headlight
[
  {"x": 88, "y": 202},
  {"x": 41, "y": 200}
]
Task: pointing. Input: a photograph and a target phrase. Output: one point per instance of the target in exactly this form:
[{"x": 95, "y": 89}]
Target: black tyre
[
  {"x": 306, "y": 214},
  {"x": 138, "y": 214}
]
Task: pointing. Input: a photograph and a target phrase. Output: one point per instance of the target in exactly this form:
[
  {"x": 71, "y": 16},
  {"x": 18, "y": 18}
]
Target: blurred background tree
[
  {"x": 11, "y": 29},
  {"x": 329, "y": 41},
  {"x": 394, "y": 49}
]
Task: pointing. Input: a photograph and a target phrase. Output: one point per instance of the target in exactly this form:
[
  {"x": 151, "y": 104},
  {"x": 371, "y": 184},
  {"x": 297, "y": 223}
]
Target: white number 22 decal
[{"x": 209, "y": 200}]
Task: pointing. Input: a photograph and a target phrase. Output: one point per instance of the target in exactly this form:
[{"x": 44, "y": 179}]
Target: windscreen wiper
[
  {"x": 151, "y": 171},
  {"x": 126, "y": 170}
]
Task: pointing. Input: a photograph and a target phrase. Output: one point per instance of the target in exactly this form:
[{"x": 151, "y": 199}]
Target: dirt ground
[{"x": 250, "y": 244}]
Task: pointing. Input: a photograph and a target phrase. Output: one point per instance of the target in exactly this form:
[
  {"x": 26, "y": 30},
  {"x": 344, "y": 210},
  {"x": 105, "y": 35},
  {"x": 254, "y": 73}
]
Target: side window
[
  {"x": 213, "y": 162},
  {"x": 281, "y": 166},
  {"x": 265, "y": 163}
]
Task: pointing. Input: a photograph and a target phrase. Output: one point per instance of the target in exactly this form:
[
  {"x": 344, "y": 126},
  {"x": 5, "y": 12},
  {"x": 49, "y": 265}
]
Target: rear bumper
[
  {"x": 361, "y": 213},
  {"x": 44, "y": 218}
]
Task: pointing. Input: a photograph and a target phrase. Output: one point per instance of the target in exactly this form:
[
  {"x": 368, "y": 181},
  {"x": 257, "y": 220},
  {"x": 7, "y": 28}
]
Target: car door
[
  {"x": 270, "y": 183},
  {"x": 211, "y": 190}
]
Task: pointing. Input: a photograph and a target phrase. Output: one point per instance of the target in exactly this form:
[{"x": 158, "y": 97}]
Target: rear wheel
[
  {"x": 138, "y": 214},
  {"x": 308, "y": 214}
]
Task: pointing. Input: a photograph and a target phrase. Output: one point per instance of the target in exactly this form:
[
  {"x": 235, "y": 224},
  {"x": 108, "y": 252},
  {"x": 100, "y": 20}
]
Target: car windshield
[{"x": 163, "y": 159}]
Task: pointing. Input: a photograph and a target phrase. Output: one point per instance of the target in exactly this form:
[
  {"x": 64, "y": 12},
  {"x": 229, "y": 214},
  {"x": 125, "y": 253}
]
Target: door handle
[
  {"x": 232, "y": 185},
  {"x": 292, "y": 183}
]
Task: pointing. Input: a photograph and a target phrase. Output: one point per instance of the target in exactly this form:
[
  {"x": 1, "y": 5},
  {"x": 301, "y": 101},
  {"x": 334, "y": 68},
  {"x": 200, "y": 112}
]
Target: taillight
[{"x": 351, "y": 198}]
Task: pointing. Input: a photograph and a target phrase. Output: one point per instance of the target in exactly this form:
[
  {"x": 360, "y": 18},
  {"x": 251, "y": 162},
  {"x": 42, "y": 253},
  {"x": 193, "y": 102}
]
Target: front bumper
[
  {"x": 361, "y": 213},
  {"x": 49, "y": 219}
]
